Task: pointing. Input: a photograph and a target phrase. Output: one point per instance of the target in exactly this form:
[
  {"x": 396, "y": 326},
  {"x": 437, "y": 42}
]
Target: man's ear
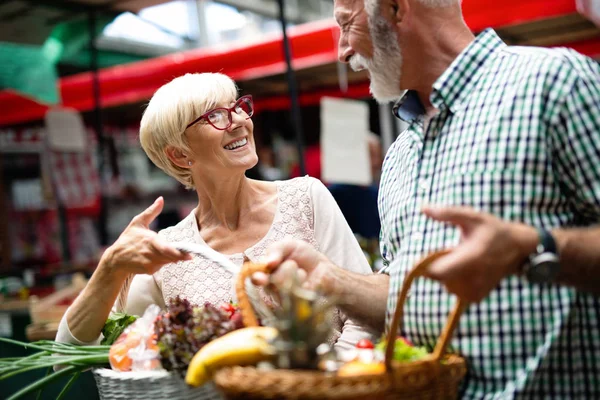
[
  {"x": 177, "y": 157},
  {"x": 398, "y": 10}
]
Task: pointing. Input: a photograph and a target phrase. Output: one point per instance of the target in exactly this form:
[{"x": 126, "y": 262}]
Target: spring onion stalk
[
  {"x": 68, "y": 385},
  {"x": 43, "y": 382},
  {"x": 39, "y": 393},
  {"x": 73, "y": 358}
]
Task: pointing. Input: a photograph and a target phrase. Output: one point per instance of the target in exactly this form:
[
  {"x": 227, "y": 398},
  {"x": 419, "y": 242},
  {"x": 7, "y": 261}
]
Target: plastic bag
[{"x": 136, "y": 348}]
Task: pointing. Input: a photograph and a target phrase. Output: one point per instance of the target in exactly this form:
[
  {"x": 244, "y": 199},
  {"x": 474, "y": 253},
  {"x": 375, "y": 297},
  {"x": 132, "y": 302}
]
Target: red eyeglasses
[{"x": 220, "y": 118}]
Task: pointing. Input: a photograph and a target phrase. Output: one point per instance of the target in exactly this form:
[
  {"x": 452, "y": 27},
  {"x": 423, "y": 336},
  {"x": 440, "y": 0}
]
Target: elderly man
[{"x": 500, "y": 163}]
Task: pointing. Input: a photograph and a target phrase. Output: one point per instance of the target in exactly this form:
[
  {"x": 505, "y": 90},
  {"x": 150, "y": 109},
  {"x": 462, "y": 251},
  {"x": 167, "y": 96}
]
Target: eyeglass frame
[{"x": 229, "y": 111}]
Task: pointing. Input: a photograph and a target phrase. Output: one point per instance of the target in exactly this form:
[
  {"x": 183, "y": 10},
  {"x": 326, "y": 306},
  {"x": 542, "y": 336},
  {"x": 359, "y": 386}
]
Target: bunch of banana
[{"x": 241, "y": 347}]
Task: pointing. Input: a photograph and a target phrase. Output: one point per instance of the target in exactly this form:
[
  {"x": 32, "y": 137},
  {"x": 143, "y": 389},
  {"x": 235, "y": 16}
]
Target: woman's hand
[{"x": 140, "y": 250}]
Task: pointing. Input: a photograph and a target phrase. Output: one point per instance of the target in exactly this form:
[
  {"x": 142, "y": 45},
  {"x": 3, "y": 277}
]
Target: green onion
[
  {"x": 74, "y": 358},
  {"x": 68, "y": 385},
  {"x": 39, "y": 393},
  {"x": 43, "y": 382}
]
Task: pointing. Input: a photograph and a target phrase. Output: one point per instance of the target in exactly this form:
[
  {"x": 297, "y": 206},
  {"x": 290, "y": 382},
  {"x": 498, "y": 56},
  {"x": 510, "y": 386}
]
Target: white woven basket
[{"x": 151, "y": 385}]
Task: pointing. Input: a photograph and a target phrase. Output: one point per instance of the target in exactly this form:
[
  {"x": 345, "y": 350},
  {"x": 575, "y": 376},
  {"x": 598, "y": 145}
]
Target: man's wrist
[
  {"x": 332, "y": 283},
  {"x": 526, "y": 239}
]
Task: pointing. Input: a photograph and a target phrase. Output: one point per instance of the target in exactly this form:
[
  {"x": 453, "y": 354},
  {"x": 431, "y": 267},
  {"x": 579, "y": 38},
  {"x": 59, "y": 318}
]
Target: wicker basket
[
  {"x": 151, "y": 385},
  {"x": 435, "y": 377}
]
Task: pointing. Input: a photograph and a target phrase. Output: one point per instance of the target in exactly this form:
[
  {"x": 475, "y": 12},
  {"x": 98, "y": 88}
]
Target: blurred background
[{"x": 75, "y": 76}]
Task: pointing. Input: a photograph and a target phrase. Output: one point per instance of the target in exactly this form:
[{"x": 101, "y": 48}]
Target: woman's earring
[{"x": 190, "y": 163}]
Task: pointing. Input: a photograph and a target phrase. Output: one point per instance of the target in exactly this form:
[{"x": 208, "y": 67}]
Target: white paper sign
[
  {"x": 344, "y": 146},
  {"x": 590, "y": 9},
  {"x": 6, "y": 329},
  {"x": 66, "y": 131}
]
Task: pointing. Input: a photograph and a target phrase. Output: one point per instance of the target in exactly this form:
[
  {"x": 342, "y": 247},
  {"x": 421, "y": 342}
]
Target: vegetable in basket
[
  {"x": 404, "y": 350},
  {"x": 136, "y": 348},
  {"x": 368, "y": 358},
  {"x": 115, "y": 325},
  {"x": 185, "y": 329}
]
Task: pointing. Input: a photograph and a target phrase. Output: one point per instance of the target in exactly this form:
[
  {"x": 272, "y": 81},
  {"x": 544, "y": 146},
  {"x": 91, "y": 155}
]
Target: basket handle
[
  {"x": 445, "y": 336},
  {"x": 248, "y": 269}
]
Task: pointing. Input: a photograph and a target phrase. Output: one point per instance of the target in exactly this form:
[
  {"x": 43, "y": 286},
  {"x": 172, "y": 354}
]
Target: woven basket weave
[
  {"x": 436, "y": 376},
  {"x": 151, "y": 385}
]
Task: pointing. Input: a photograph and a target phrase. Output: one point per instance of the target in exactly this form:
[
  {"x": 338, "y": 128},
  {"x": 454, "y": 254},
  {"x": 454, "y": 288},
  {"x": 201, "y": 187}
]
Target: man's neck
[{"x": 430, "y": 51}]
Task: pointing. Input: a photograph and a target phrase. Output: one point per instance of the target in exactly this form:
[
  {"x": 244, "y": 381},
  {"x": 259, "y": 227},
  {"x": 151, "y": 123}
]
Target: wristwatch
[{"x": 543, "y": 265}]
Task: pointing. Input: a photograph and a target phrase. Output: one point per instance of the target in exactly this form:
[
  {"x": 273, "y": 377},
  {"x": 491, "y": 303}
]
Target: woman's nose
[{"x": 237, "y": 119}]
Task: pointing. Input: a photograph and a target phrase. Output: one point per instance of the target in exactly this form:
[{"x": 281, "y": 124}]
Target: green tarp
[{"x": 31, "y": 70}]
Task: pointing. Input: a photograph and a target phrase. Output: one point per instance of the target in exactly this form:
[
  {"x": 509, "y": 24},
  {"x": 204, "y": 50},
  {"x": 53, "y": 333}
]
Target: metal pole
[
  {"x": 291, "y": 78},
  {"x": 98, "y": 128}
]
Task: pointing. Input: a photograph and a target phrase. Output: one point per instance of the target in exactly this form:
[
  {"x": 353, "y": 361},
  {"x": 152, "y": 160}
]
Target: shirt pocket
[{"x": 511, "y": 194}]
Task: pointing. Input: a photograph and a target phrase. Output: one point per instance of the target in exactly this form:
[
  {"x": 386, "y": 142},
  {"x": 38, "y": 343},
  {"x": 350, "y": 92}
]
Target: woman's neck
[{"x": 223, "y": 202}]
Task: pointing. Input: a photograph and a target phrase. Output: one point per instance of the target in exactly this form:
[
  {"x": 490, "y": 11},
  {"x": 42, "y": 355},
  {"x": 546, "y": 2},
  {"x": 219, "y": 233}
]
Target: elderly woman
[{"x": 199, "y": 132}]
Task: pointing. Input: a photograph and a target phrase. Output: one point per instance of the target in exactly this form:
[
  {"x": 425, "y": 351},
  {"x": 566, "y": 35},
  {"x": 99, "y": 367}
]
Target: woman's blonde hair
[{"x": 172, "y": 108}]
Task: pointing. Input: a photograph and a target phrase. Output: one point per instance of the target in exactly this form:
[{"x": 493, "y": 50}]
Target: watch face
[{"x": 544, "y": 268}]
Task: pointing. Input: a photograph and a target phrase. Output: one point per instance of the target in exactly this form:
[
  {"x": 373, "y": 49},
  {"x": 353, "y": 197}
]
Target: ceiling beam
[{"x": 270, "y": 9}]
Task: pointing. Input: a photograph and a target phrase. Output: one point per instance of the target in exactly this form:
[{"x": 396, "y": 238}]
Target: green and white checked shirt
[{"x": 517, "y": 135}]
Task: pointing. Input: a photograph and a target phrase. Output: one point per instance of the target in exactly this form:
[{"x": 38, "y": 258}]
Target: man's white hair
[
  {"x": 372, "y": 4},
  {"x": 172, "y": 108},
  {"x": 439, "y": 3}
]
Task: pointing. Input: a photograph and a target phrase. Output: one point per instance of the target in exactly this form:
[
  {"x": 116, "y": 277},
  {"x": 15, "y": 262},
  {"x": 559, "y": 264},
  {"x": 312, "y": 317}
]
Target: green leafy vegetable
[
  {"x": 403, "y": 351},
  {"x": 114, "y": 327}
]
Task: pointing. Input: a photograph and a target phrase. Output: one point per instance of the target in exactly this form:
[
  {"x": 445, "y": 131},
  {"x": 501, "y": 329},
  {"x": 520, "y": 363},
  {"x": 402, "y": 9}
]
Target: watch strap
[{"x": 547, "y": 243}]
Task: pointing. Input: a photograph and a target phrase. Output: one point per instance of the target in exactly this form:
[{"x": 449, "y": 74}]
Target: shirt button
[{"x": 425, "y": 185}]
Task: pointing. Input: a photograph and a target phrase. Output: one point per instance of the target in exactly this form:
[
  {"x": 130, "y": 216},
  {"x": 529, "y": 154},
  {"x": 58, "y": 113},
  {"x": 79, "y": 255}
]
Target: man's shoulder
[{"x": 559, "y": 62}]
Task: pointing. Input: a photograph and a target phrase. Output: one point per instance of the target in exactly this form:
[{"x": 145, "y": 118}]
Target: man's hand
[
  {"x": 296, "y": 256},
  {"x": 489, "y": 251},
  {"x": 361, "y": 297}
]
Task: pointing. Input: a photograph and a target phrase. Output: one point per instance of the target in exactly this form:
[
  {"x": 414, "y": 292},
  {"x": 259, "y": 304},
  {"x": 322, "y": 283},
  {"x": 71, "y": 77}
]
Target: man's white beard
[{"x": 384, "y": 67}]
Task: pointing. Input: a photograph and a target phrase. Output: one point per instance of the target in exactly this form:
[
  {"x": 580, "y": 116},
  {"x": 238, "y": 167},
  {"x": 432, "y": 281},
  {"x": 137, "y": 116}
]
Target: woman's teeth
[{"x": 237, "y": 144}]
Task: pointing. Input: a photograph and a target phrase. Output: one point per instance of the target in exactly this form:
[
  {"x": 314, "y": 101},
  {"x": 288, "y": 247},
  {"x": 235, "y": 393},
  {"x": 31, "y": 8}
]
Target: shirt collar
[{"x": 455, "y": 84}]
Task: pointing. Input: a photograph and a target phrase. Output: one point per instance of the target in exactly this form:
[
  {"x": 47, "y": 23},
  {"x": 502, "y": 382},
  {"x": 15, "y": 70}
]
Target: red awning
[{"x": 312, "y": 45}]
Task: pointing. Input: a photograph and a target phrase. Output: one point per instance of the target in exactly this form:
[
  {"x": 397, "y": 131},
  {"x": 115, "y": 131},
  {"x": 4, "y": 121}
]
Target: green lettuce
[
  {"x": 115, "y": 325},
  {"x": 403, "y": 351}
]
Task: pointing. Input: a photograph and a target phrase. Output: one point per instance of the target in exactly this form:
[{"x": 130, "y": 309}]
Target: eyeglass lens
[{"x": 220, "y": 118}]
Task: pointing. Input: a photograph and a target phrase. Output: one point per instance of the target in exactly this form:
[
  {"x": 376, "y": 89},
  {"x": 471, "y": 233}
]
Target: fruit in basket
[
  {"x": 119, "y": 358},
  {"x": 356, "y": 368},
  {"x": 136, "y": 347},
  {"x": 242, "y": 347},
  {"x": 365, "y": 344}
]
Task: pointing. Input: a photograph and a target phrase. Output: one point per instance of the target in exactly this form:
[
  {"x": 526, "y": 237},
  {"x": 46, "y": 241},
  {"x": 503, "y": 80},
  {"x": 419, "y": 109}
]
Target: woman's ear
[{"x": 178, "y": 157}]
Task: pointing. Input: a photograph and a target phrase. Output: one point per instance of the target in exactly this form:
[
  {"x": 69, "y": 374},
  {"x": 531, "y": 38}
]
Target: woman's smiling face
[{"x": 223, "y": 150}]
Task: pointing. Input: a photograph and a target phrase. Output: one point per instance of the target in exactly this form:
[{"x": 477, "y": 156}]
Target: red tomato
[
  {"x": 365, "y": 344},
  {"x": 228, "y": 308}
]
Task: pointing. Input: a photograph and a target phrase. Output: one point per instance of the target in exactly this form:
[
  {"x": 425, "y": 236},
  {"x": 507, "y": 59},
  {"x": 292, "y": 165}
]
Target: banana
[{"x": 240, "y": 347}]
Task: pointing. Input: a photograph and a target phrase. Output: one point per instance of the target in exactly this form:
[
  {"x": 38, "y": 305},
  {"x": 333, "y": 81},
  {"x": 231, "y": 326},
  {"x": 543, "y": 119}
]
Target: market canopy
[
  {"x": 37, "y": 35},
  {"x": 259, "y": 67}
]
